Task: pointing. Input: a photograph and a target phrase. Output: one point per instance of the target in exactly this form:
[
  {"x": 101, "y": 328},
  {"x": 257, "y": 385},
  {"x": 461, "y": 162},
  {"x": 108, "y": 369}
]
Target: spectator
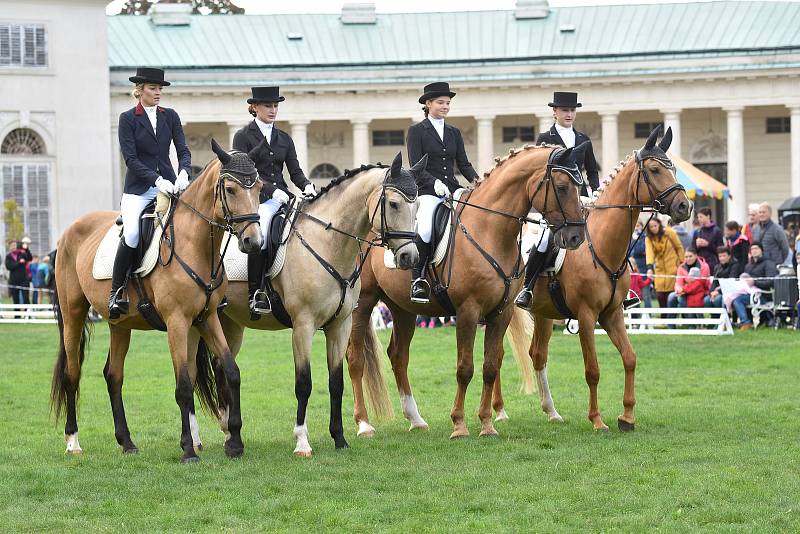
[
  {"x": 44, "y": 276},
  {"x": 678, "y": 298},
  {"x": 752, "y": 220},
  {"x": 707, "y": 238},
  {"x": 16, "y": 262},
  {"x": 638, "y": 252},
  {"x": 695, "y": 288},
  {"x": 639, "y": 281},
  {"x": 772, "y": 238},
  {"x": 728, "y": 266},
  {"x": 33, "y": 267},
  {"x": 763, "y": 271},
  {"x": 664, "y": 253},
  {"x": 737, "y": 242},
  {"x": 682, "y": 233}
]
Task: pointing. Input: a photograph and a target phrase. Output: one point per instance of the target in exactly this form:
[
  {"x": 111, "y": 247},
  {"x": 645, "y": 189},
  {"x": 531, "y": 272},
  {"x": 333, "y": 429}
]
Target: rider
[
  {"x": 273, "y": 149},
  {"x": 444, "y": 146},
  {"x": 145, "y": 135},
  {"x": 562, "y": 133}
]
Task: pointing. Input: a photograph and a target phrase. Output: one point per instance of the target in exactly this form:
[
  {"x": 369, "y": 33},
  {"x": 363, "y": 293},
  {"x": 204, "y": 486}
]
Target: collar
[
  {"x": 436, "y": 121},
  {"x": 261, "y": 124},
  {"x": 560, "y": 128},
  {"x": 139, "y": 109}
]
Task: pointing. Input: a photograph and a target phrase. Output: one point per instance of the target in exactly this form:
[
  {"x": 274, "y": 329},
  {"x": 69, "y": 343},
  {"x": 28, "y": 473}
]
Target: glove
[
  {"x": 440, "y": 189},
  {"x": 280, "y": 196},
  {"x": 182, "y": 182},
  {"x": 165, "y": 186},
  {"x": 310, "y": 191}
]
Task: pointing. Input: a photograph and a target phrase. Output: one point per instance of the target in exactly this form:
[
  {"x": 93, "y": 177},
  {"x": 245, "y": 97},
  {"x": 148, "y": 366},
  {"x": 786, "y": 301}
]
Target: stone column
[
  {"x": 233, "y": 127},
  {"x": 610, "y": 134},
  {"x": 672, "y": 119},
  {"x": 360, "y": 142},
  {"x": 485, "y": 142},
  {"x": 737, "y": 206},
  {"x": 300, "y": 138},
  {"x": 794, "y": 147},
  {"x": 545, "y": 122}
]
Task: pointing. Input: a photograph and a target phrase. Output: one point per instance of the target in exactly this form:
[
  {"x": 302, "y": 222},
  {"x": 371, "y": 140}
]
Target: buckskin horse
[
  {"x": 593, "y": 278},
  {"x": 481, "y": 270},
  {"x": 185, "y": 293},
  {"x": 319, "y": 285}
]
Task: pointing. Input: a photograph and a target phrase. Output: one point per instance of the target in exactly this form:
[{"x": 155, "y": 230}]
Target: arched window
[
  {"x": 22, "y": 141},
  {"x": 26, "y": 181},
  {"x": 324, "y": 171}
]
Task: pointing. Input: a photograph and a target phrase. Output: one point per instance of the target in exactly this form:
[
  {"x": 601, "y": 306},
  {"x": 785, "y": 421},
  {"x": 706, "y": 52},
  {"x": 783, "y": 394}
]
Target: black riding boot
[
  {"x": 420, "y": 289},
  {"x": 536, "y": 263},
  {"x": 259, "y": 301},
  {"x": 117, "y": 305}
]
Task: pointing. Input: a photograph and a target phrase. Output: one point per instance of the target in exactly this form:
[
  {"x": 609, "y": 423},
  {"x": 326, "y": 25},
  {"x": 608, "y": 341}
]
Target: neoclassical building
[{"x": 724, "y": 75}]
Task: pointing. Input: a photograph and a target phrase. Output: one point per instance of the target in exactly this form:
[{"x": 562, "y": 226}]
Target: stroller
[{"x": 785, "y": 297}]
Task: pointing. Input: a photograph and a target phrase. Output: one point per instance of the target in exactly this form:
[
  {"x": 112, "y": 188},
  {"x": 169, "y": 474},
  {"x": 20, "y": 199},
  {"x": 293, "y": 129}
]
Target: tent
[{"x": 696, "y": 182}]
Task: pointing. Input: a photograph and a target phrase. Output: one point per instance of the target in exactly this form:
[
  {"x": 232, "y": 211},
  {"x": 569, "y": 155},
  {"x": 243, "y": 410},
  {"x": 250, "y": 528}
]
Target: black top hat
[
  {"x": 565, "y": 100},
  {"x": 432, "y": 90},
  {"x": 265, "y": 94},
  {"x": 149, "y": 75}
]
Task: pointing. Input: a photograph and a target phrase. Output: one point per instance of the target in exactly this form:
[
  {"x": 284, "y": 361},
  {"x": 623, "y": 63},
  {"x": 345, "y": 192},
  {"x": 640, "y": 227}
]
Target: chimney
[
  {"x": 531, "y": 9},
  {"x": 166, "y": 13},
  {"x": 359, "y": 13}
]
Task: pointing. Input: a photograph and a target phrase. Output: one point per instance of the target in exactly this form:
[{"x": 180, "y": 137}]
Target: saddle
[{"x": 442, "y": 228}]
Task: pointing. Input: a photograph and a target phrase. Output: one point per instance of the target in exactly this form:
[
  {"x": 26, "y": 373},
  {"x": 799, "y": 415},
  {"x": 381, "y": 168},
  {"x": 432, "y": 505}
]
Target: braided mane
[
  {"x": 348, "y": 174},
  {"x": 499, "y": 161},
  {"x": 605, "y": 182}
]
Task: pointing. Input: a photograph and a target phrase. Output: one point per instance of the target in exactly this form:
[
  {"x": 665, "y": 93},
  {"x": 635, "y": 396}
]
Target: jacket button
[
  {"x": 444, "y": 168},
  {"x": 444, "y": 150},
  {"x": 271, "y": 154}
]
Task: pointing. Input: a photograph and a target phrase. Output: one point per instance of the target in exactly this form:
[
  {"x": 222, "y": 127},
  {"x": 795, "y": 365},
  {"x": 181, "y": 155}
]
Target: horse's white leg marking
[
  {"x": 410, "y": 411},
  {"x": 365, "y": 430},
  {"x": 194, "y": 427},
  {"x": 303, "y": 448},
  {"x": 547, "y": 400},
  {"x": 502, "y": 415},
  {"x": 73, "y": 447},
  {"x": 223, "y": 423}
]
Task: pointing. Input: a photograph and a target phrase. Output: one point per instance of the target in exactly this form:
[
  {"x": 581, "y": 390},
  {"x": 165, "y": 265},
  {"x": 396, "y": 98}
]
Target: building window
[
  {"x": 778, "y": 125},
  {"x": 324, "y": 171},
  {"x": 641, "y": 130},
  {"x": 27, "y": 185},
  {"x": 22, "y": 141},
  {"x": 23, "y": 45},
  {"x": 387, "y": 138},
  {"x": 518, "y": 133}
]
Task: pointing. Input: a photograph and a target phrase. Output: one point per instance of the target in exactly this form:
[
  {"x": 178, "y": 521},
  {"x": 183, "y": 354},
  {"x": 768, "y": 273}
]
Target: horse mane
[
  {"x": 348, "y": 174},
  {"x": 499, "y": 161},
  {"x": 605, "y": 182}
]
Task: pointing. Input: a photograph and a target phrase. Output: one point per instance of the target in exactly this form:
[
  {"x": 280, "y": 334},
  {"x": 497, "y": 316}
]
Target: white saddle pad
[
  {"x": 556, "y": 268},
  {"x": 235, "y": 260},
  {"x": 103, "y": 265}
]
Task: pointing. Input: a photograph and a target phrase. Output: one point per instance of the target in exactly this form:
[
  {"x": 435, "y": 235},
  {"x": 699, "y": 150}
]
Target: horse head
[
  {"x": 666, "y": 195},
  {"x": 555, "y": 196},
  {"x": 396, "y": 208}
]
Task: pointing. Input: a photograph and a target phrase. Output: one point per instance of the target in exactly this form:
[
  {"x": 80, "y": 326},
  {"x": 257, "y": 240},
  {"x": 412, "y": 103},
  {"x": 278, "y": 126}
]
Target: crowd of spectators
[{"x": 28, "y": 276}]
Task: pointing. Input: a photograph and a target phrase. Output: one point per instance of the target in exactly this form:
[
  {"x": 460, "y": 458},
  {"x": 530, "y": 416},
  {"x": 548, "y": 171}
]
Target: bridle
[
  {"x": 575, "y": 176},
  {"x": 385, "y": 234}
]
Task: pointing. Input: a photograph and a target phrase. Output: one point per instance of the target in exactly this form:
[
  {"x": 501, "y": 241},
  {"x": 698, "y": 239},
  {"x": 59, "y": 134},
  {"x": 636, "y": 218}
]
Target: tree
[
  {"x": 199, "y": 7},
  {"x": 13, "y": 219}
]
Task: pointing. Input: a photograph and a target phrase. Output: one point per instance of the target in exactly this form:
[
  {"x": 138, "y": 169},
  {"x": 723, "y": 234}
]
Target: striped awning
[{"x": 696, "y": 182}]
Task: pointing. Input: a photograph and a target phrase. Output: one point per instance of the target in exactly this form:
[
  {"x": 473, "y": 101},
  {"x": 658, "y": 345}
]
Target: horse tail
[
  {"x": 520, "y": 334},
  {"x": 58, "y": 387},
  {"x": 377, "y": 393},
  {"x": 206, "y": 385}
]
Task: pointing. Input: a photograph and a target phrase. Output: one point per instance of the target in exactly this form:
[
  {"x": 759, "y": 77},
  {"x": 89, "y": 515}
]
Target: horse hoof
[
  {"x": 420, "y": 425},
  {"x": 489, "y": 433},
  {"x": 502, "y": 415},
  {"x": 233, "y": 452},
  {"x": 625, "y": 426},
  {"x": 555, "y": 418},
  {"x": 460, "y": 433},
  {"x": 365, "y": 430},
  {"x": 74, "y": 452},
  {"x": 603, "y": 429},
  {"x": 190, "y": 459},
  {"x": 130, "y": 450},
  {"x": 342, "y": 445},
  {"x": 303, "y": 453}
]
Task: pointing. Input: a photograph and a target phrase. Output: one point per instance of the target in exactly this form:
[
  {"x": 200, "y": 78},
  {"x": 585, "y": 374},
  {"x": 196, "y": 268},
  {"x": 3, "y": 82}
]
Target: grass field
[{"x": 716, "y": 446}]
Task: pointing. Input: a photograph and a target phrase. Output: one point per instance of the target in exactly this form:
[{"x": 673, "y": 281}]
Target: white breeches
[
  {"x": 266, "y": 212},
  {"x": 544, "y": 240},
  {"x": 427, "y": 207},
  {"x": 132, "y": 207}
]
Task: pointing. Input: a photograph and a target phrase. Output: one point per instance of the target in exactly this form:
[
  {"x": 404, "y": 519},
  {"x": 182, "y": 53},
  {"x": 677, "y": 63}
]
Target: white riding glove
[
  {"x": 165, "y": 186},
  {"x": 440, "y": 189},
  {"x": 280, "y": 196},
  {"x": 310, "y": 191},
  {"x": 182, "y": 182}
]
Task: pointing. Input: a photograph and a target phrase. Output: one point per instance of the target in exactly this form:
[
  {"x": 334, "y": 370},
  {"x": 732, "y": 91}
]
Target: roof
[{"x": 602, "y": 34}]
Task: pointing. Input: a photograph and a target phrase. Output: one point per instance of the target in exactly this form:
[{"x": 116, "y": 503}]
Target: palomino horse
[
  {"x": 184, "y": 293},
  {"x": 319, "y": 284},
  {"x": 484, "y": 268},
  {"x": 593, "y": 277}
]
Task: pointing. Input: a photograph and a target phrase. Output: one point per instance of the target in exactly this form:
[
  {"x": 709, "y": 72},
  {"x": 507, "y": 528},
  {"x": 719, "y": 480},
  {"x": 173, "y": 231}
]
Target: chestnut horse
[
  {"x": 594, "y": 279},
  {"x": 185, "y": 293},
  {"x": 487, "y": 230}
]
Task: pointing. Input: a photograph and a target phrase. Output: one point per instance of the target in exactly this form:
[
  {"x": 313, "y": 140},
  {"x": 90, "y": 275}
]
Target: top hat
[
  {"x": 149, "y": 75},
  {"x": 563, "y": 99},
  {"x": 435, "y": 89},
  {"x": 265, "y": 94}
]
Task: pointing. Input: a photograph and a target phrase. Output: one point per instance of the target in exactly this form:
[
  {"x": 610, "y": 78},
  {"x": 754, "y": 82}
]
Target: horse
[
  {"x": 483, "y": 267},
  {"x": 324, "y": 243},
  {"x": 185, "y": 294},
  {"x": 592, "y": 277}
]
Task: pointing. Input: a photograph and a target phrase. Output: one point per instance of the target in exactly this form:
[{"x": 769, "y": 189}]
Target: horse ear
[
  {"x": 420, "y": 165},
  {"x": 256, "y": 149},
  {"x": 580, "y": 150},
  {"x": 397, "y": 165},
  {"x": 223, "y": 156},
  {"x": 651, "y": 139},
  {"x": 566, "y": 158},
  {"x": 666, "y": 140}
]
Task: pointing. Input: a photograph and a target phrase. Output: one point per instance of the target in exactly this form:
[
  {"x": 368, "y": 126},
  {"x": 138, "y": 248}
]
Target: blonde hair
[{"x": 137, "y": 91}]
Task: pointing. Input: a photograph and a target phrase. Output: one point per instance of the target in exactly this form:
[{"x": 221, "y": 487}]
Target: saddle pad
[
  {"x": 103, "y": 265},
  {"x": 235, "y": 260},
  {"x": 441, "y": 248},
  {"x": 556, "y": 268}
]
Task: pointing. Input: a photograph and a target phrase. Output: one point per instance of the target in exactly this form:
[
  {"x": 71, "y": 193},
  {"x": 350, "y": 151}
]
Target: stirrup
[
  {"x": 117, "y": 306},
  {"x": 524, "y": 299},
  {"x": 425, "y": 291},
  {"x": 260, "y": 303}
]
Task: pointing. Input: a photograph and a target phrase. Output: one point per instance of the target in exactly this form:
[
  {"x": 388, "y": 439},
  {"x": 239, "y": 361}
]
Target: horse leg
[
  {"x": 586, "y": 324},
  {"x": 614, "y": 324},
  {"x": 466, "y": 325},
  {"x": 542, "y": 332},
  {"x": 403, "y": 327},
  {"x": 113, "y": 372},
  {"x": 498, "y": 403},
  {"x": 68, "y": 367},
  {"x": 177, "y": 335},
  {"x": 356, "y": 359},
  {"x": 336, "y": 341},
  {"x": 233, "y": 335},
  {"x": 212, "y": 333},
  {"x": 492, "y": 355},
  {"x": 194, "y": 426},
  {"x": 302, "y": 338}
]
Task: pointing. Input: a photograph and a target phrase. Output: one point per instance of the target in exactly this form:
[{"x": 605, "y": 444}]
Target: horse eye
[
  {"x": 229, "y": 190},
  {"x": 393, "y": 204},
  {"x": 563, "y": 189}
]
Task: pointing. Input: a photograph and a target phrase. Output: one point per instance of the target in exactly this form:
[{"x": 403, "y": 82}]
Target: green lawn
[{"x": 715, "y": 448}]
